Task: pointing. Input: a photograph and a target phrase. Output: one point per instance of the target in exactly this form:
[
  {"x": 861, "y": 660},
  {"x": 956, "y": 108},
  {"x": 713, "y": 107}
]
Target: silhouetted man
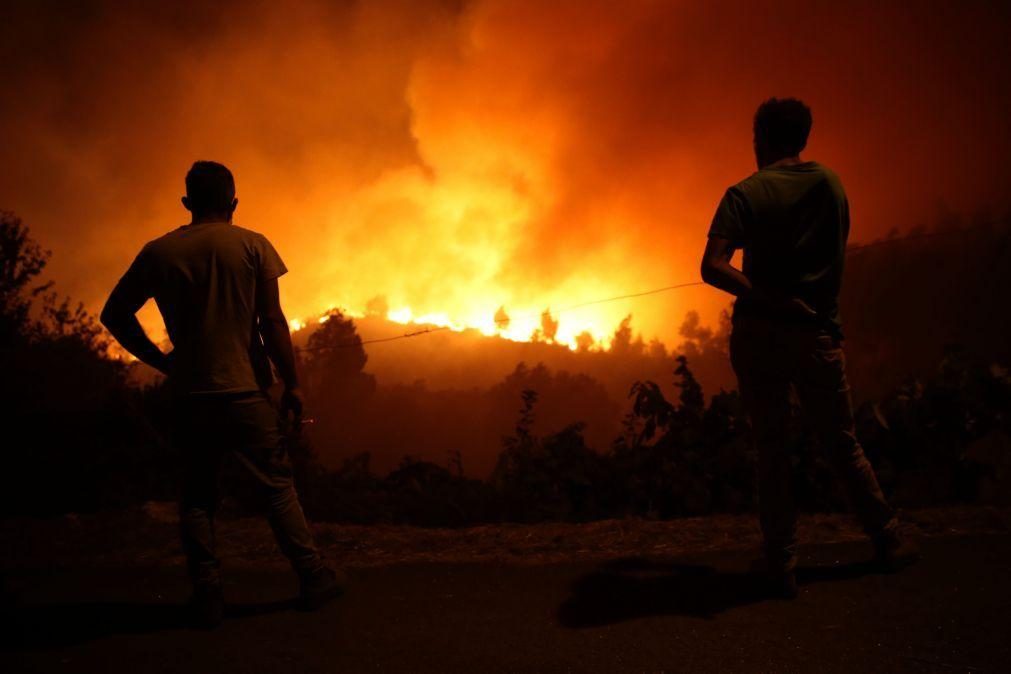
[
  {"x": 791, "y": 218},
  {"x": 216, "y": 287}
]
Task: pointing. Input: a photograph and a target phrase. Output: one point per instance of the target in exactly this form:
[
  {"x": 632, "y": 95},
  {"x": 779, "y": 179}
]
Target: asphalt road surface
[{"x": 950, "y": 613}]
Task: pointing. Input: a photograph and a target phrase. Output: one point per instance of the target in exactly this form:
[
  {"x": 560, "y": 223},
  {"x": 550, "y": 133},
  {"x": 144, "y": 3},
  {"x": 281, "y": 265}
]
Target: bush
[{"x": 81, "y": 438}]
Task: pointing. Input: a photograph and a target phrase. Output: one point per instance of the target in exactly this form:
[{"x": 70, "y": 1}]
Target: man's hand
[
  {"x": 292, "y": 401},
  {"x": 120, "y": 319},
  {"x": 167, "y": 363},
  {"x": 717, "y": 271}
]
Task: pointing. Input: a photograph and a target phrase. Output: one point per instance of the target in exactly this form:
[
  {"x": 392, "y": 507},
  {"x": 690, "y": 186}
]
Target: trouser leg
[
  {"x": 770, "y": 414},
  {"x": 197, "y": 507},
  {"x": 261, "y": 451},
  {"x": 765, "y": 392},
  {"x": 825, "y": 396}
]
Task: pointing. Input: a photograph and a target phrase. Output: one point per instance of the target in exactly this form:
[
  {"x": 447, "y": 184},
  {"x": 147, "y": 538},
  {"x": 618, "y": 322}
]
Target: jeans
[
  {"x": 247, "y": 425},
  {"x": 769, "y": 360}
]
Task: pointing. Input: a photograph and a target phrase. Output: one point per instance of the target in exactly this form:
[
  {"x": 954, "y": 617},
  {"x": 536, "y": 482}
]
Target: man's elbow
[{"x": 708, "y": 271}]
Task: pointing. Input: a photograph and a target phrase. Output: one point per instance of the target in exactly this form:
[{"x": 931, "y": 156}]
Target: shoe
[
  {"x": 893, "y": 552},
  {"x": 207, "y": 606},
  {"x": 320, "y": 587},
  {"x": 777, "y": 582}
]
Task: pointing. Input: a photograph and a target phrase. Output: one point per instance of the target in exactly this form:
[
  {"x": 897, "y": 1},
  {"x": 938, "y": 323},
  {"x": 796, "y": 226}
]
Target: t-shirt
[
  {"x": 792, "y": 222},
  {"x": 203, "y": 278}
]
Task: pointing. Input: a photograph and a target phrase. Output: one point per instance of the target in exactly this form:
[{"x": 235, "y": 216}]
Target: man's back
[
  {"x": 792, "y": 221},
  {"x": 204, "y": 279},
  {"x": 216, "y": 286}
]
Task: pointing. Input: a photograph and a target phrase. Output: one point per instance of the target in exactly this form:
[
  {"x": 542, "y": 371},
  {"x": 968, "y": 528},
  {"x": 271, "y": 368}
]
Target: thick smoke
[{"x": 461, "y": 157}]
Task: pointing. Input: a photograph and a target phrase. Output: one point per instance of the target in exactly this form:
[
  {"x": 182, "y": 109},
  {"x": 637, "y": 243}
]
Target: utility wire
[{"x": 616, "y": 298}]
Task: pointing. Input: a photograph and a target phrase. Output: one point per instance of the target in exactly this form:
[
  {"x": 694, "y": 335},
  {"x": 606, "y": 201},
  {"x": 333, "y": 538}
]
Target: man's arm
[
  {"x": 120, "y": 318},
  {"x": 718, "y": 272},
  {"x": 273, "y": 328}
]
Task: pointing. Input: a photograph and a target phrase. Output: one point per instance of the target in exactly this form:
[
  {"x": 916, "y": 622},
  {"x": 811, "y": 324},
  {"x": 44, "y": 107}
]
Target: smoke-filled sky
[{"x": 455, "y": 157}]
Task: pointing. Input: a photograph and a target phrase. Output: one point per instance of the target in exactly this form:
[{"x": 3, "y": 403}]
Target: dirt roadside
[{"x": 147, "y": 536}]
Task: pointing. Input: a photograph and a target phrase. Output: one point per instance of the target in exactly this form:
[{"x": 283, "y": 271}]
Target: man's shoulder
[
  {"x": 745, "y": 183},
  {"x": 744, "y": 191},
  {"x": 219, "y": 231},
  {"x": 759, "y": 182},
  {"x": 181, "y": 241},
  {"x": 825, "y": 171},
  {"x": 248, "y": 234},
  {"x": 748, "y": 185},
  {"x": 829, "y": 178},
  {"x": 160, "y": 243}
]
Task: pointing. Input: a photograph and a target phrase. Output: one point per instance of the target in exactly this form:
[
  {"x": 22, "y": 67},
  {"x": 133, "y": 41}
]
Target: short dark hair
[
  {"x": 210, "y": 187},
  {"x": 783, "y": 124}
]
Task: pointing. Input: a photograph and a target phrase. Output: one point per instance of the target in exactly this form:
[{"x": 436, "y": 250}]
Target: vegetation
[
  {"x": 81, "y": 438},
  {"x": 76, "y": 436}
]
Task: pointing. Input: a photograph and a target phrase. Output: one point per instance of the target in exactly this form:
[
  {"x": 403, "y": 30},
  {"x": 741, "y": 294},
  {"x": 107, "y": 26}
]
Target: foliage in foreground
[
  {"x": 79, "y": 438},
  {"x": 939, "y": 440}
]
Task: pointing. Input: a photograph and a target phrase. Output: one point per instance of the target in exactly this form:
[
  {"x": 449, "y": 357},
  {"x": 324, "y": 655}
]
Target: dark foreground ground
[{"x": 694, "y": 613}]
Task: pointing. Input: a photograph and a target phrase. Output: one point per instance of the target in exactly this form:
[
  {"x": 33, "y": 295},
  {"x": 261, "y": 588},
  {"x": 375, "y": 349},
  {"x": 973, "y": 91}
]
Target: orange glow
[
  {"x": 524, "y": 327},
  {"x": 434, "y": 161}
]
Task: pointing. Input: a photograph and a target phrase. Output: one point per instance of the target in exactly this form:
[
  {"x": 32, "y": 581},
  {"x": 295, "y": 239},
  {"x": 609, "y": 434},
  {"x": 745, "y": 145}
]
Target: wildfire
[{"x": 522, "y": 326}]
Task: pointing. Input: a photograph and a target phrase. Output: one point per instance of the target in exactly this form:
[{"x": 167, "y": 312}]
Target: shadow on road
[
  {"x": 627, "y": 589},
  {"x": 53, "y": 625}
]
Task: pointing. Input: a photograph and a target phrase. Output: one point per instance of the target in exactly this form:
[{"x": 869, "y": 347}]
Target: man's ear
[
  {"x": 186, "y": 204},
  {"x": 235, "y": 202}
]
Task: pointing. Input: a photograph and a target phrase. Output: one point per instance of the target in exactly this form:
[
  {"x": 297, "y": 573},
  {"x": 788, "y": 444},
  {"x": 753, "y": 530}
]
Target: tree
[
  {"x": 21, "y": 262},
  {"x": 334, "y": 362},
  {"x": 77, "y": 436},
  {"x": 555, "y": 477},
  {"x": 548, "y": 329},
  {"x": 692, "y": 400},
  {"x": 334, "y": 348},
  {"x": 337, "y": 387}
]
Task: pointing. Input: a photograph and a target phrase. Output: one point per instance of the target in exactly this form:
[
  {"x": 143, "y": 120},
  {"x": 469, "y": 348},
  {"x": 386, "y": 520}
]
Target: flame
[
  {"x": 523, "y": 326},
  {"x": 471, "y": 180},
  {"x": 458, "y": 157}
]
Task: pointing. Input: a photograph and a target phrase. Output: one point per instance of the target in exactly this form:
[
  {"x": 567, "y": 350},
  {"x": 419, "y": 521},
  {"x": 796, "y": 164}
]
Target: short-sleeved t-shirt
[
  {"x": 204, "y": 278},
  {"x": 792, "y": 222}
]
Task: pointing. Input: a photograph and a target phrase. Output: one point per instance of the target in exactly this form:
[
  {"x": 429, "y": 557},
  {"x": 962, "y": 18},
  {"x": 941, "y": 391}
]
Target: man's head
[
  {"x": 781, "y": 129},
  {"x": 210, "y": 191}
]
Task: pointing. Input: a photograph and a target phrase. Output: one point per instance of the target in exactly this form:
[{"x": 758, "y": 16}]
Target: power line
[
  {"x": 616, "y": 298},
  {"x": 644, "y": 293}
]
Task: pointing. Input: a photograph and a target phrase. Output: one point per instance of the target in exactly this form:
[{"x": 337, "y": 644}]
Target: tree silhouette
[
  {"x": 76, "y": 435},
  {"x": 548, "y": 329},
  {"x": 21, "y": 262},
  {"x": 692, "y": 400},
  {"x": 337, "y": 388},
  {"x": 333, "y": 365}
]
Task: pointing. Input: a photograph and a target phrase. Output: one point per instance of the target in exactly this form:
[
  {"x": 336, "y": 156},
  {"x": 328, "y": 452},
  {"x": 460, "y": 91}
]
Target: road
[{"x": 950, "y": 613}]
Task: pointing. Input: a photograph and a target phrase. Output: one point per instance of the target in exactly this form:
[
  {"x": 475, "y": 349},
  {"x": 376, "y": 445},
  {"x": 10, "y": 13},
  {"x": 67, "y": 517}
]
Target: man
[
  {"x": 792, "y": 220},
  {"x": 216, "y": 287}
]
